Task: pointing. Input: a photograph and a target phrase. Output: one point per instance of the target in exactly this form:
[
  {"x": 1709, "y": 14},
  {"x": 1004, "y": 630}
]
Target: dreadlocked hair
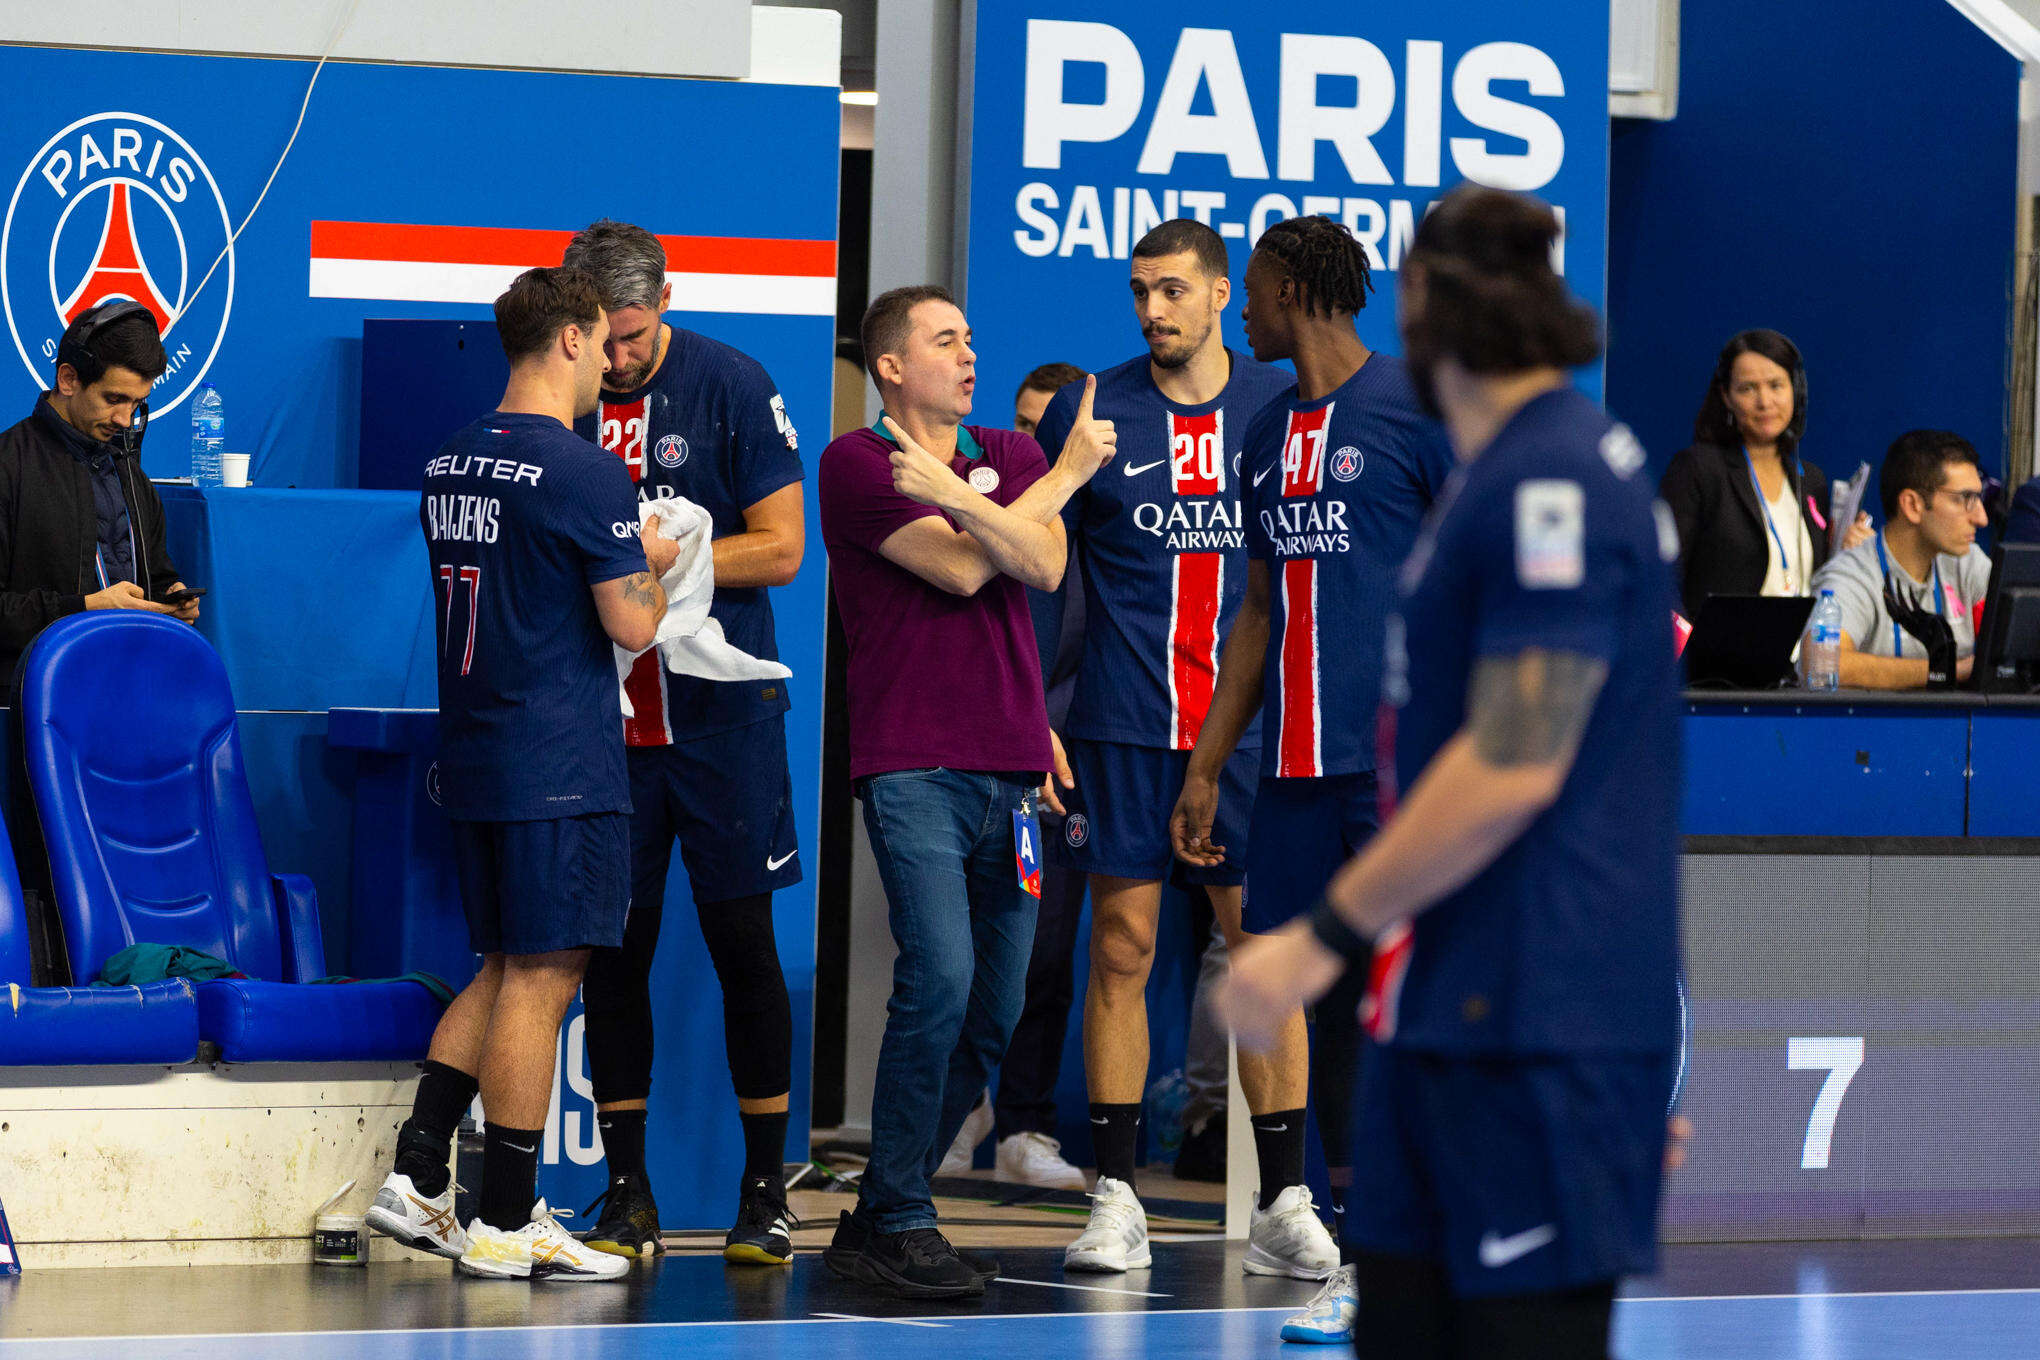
[{"x": 1328, "y": 264}]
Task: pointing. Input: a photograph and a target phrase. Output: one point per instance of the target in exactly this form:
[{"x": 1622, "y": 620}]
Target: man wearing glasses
[{"x": 1914, "y": 591}]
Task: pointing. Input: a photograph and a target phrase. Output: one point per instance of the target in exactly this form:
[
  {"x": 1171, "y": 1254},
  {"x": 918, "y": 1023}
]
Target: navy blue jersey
[
  {"x": 1568, "y": 942},
  {"x": 1337, "y": 493},
  {"x": 521, "y": 517},
  {"x": 709, "y": 426},
  {"x": 1157, "y": 537}
]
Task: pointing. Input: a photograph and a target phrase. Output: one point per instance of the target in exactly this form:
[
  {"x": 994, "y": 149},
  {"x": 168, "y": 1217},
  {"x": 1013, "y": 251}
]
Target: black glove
[{"x": 1931, "y": 631}]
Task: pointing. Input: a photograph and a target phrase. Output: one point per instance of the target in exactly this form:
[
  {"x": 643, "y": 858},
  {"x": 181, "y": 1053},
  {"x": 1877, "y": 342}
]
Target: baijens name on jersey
[
  {"x": 1306, "y": 527},
  {"x": 461, "y": 519},
  {"x": 1194, "y": 525}
]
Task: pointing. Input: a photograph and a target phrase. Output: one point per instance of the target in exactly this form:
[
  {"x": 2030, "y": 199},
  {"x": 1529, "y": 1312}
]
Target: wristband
[{"x": 1334, "y": 934}]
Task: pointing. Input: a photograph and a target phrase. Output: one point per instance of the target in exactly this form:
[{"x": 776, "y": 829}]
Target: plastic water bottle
[
  {"x": 1165, "y": 1102},
  {"x": 1822, "y": 652},
  {"x": 208, "y": 435}
]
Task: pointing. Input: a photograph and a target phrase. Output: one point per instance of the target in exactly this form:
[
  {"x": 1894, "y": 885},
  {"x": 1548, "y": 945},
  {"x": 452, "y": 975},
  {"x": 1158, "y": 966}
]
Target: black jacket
[
  {"x": 49, "y": 530},
  {"x": 1724, "y": 548}
]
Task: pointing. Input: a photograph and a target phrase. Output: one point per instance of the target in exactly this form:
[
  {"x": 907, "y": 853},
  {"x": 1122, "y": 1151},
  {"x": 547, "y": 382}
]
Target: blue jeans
[{"x": 964, "y": 926}]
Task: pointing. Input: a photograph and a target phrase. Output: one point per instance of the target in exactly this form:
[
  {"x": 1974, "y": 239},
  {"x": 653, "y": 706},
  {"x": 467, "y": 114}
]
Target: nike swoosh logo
[
  {"x": 1276, "y": 1128},
  {"x": 1096, "y": 1120},
  {"x": 518, "y": 1146},
  {"x": 1132, "y": 471},
  {"x": 1496, "y": 1252},
  {"x": 1262, "y": 475},
  {"x": 771, "y": 864}
]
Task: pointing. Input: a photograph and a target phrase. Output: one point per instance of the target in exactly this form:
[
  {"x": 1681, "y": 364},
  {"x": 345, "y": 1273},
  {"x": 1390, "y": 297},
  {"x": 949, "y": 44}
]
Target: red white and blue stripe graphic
[
  {"x": 1197, "y": 582},
  {"x": 620, "y": 428},
  {"x": 418, "y": 262},
  {"x": 1299, "y": 746},
  {"x": 1385, "y": 976}
]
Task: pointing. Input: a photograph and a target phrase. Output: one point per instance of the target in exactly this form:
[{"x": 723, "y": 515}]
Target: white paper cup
[{"x": 233, "y": 469}]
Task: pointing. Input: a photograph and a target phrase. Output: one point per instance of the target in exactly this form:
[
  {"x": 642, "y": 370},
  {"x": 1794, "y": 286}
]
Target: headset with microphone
[{"x": 75, "y": 349}]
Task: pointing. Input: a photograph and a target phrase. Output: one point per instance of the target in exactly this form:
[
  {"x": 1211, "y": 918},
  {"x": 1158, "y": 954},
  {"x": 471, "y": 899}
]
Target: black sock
[
  {"x": 509, "y": 1175},
  {"x": 765, "y": 1146},
  {"x": 1115, "y": 1139},
  {"x": 1278, "y": 1144},
  {"x": 623, "y": 1141},
  {"x": 425, "y": 1142}
]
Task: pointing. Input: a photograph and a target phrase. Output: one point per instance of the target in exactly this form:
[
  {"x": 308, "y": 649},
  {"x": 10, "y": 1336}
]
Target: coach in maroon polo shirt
[{"x": 934, "y": 530}]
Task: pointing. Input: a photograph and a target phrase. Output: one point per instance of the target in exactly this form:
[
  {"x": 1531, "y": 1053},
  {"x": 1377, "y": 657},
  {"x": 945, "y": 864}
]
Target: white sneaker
[
  {"x": 540, "y": 1250},
  {"x": 1116, "y": 1239},
  {"x": 1329, "y": 1319},
  {"x": 1288, "y": 1238},
  {"x": 1036, "y": 1159},
  {"x": 977, "y": 1126},
  {"x": 426, "y": 1223}
]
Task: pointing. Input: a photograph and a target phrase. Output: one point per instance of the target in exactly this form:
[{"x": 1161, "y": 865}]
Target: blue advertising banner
[
  {"x": 409, "y": 192},
  {"x": 417, "y": 192},
  {"x": 1092, "y": 123}
]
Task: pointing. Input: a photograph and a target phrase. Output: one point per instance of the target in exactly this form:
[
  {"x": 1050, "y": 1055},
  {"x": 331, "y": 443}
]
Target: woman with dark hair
[
  {"x": 1522, "y": 901},
  {"x": 1752, "y": 515}
]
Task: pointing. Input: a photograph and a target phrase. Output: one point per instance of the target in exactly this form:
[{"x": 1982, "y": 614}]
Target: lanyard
[
  {"x": 1940, "y": 602},
  {"x": 1764, "y": 508}
]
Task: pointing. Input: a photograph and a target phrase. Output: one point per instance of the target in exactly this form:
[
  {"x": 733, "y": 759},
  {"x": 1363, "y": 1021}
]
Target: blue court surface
[{"x": 1805, "y": 1302}]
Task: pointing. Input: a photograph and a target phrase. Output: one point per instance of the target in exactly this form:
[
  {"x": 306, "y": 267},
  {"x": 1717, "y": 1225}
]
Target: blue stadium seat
[
  {"x": 67, "y": 1026},
  {"x": 135, "y": 760}
]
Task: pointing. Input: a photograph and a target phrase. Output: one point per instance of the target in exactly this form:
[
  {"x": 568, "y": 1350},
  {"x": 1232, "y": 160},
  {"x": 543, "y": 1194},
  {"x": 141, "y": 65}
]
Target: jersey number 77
[{"x": 472, "y": 578}]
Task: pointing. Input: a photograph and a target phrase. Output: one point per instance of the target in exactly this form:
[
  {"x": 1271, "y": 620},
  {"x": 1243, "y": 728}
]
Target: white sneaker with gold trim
[
  {"x": 540, "y": 1250},
  {"x": 425, "y": 1222}
]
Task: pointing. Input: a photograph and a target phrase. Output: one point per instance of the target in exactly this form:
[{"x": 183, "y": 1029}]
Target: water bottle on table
[
  {"x": 1821, "y": 653},
  {"x": 208, "y": 435}
]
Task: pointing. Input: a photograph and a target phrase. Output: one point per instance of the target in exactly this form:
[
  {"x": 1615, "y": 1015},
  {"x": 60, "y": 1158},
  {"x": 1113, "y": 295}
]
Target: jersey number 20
[{"x": 472, "y": 578}]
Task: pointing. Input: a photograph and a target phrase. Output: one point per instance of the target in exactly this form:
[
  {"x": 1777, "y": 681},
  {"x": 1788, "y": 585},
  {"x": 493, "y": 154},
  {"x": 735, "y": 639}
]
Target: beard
[
  {"x": 631, "y": 379},
  {"x": 1175, "y": 349}
]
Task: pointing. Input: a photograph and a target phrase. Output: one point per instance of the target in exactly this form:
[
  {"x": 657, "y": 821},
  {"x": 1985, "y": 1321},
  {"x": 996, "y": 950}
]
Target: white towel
[{"x": 691, "y": 642}]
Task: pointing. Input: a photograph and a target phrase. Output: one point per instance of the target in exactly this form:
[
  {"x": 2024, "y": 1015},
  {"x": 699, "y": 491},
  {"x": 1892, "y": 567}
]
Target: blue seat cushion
[
  {"x": 256, "y": 1021},
  {"x": 156, "y": 1022}
]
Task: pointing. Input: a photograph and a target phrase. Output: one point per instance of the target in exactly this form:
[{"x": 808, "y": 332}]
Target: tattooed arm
[
  {"x": 1525, "y": 717},
  {"x": 630, "y": 608}
]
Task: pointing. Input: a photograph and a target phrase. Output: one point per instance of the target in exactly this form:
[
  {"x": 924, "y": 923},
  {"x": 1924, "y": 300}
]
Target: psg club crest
[
  {"x": 1076, "y": 829},
  {"x": 1347, "y": 463},
  {"x": 117, "y": 205},
  {"x": 671, "y": 451}
]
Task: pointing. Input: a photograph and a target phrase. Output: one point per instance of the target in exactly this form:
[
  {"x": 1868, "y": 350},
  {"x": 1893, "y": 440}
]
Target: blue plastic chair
[
  {"x": 135, "y": 760},
  {"x": 66, "y": 1026}
]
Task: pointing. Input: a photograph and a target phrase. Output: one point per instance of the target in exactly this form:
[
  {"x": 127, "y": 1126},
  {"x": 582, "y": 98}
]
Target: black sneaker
[
  {"x": 629, "y": 1225},
  {"x": 918, "y": 1264},
  {"x": 764, "y": 1232},
  {"x": 852, "y": 1233},
  {"x": 845, "y": 1253},
  {"x": 1202, "y": 1155}
]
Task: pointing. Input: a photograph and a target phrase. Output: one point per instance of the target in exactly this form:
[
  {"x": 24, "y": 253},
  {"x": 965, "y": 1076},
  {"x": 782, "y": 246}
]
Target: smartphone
[{"x": 180, "y": 596}]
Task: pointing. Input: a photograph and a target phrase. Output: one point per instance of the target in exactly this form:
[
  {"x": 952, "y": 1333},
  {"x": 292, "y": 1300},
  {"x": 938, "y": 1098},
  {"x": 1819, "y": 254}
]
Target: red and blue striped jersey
[
  {"x": 1337, "y": 492},
  {"x": 710, "y": 426},
  {"x": 1157, "y": 535}
]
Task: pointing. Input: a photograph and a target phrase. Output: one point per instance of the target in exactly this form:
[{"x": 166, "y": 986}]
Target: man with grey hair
[{"x": 695, "y": 418}]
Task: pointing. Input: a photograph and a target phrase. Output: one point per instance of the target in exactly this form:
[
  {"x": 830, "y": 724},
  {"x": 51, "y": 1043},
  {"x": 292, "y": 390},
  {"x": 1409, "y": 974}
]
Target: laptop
[{"x": 1745, "y": 641}]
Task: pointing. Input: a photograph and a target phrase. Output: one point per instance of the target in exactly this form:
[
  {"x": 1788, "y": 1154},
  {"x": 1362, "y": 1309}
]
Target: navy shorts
[
  {"x": 1517, "y": 1175},
  {"x": 729, "y": 801},
  {"x": 534, "y": 887},
  {"x": 1118, "y": 823},
  {"x": 1303, "y": 831}
]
